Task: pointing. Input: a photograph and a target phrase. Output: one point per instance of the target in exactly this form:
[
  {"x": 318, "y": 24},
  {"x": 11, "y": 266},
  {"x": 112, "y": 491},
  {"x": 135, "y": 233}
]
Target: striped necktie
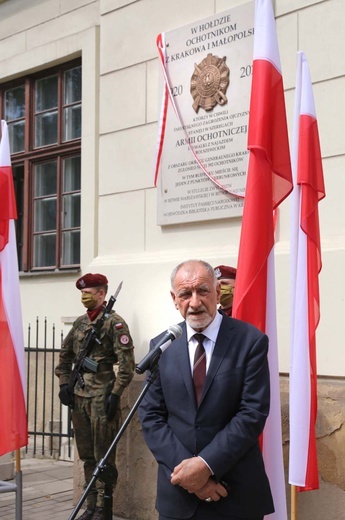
[{"x": 199, "y": 367}]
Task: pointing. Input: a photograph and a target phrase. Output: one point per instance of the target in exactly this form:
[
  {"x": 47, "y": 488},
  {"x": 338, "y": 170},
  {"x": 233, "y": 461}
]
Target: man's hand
[
  {"x": 111, "y": 405},
  {"x": 213, "y": 490},
  {"x": 65, "y": 396},
  {"x": 191, "y": 474}
]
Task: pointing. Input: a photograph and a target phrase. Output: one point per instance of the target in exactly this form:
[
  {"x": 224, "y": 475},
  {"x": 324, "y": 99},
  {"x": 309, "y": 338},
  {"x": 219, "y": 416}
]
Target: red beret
[
  {"x": 225, "y": 271},
  {"x": 91, "y": 280}
]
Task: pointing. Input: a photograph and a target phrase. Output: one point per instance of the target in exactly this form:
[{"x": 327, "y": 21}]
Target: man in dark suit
[{"x": 202, "y": 418}]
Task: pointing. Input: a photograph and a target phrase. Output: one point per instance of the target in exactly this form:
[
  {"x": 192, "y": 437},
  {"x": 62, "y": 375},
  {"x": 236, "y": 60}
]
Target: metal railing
[{"x": 49, "y": 424}]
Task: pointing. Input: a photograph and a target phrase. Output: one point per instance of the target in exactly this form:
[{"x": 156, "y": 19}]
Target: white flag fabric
[
  {"x": 269, "y": 182},
  {"x": 305, "y": 265},
  {"x": 13, "y": 425}
]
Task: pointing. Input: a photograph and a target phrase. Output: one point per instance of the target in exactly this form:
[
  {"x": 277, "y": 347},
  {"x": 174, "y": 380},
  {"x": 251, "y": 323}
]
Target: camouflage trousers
[{"x": 94, "y": 435}]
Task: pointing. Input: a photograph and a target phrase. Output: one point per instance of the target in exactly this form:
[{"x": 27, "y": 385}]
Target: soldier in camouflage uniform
[{"x": 96, "y": 406}]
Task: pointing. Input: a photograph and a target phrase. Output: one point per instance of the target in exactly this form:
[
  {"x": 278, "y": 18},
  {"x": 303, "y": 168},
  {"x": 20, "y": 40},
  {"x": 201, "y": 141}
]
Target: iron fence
[{"x": 49, "y": 424}]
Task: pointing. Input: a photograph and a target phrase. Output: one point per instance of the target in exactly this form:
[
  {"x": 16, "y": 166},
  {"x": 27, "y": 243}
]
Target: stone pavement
[{"x": 47, "y": 491}]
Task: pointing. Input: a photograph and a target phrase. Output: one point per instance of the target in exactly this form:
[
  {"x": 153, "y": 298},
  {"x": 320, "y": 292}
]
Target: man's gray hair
[{"x": 206, "y": 265}]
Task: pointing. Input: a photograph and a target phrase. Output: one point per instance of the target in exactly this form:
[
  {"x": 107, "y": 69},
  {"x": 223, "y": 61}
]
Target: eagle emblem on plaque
[{"x": 209, "y": 83}]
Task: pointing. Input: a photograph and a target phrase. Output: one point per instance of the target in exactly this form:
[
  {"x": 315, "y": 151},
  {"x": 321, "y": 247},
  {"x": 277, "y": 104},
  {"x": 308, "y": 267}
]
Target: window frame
[{"x": 32, "y": 155}]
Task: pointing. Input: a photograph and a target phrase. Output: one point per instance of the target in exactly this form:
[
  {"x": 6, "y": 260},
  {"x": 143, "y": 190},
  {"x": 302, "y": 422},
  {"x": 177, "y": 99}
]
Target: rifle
[{"x": 84, "y": 362}]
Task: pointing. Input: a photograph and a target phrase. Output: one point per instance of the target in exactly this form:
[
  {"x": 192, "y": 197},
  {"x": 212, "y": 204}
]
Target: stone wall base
[
  {"x": 6, "y": 467},
  {"x": 135, "y": 494}
]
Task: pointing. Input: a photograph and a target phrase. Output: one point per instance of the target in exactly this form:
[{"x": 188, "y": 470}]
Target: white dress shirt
[{"x": 210, "y": 333}]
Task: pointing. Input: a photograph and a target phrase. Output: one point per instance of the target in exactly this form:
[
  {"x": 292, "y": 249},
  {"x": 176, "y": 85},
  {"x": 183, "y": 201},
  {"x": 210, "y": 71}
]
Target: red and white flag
[
  {"x": 269, "y": 182},
  {"x": 13, "y": 420},
  {"x": 305, "y": 266}
]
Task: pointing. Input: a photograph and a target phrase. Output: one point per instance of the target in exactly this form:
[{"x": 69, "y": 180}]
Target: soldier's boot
[
  {"x": 87, "y": 515},
  {"x": 98, "y": 513}
]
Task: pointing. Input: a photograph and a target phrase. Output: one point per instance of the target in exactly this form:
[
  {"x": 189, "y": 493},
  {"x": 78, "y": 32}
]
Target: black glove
[
  {"x": 66, "y": 396},
  {"x": 111, "y": 405}
]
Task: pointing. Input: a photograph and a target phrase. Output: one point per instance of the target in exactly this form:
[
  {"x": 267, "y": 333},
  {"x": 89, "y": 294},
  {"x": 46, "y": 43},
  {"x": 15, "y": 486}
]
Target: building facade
[{"x": 79, "y": 85}]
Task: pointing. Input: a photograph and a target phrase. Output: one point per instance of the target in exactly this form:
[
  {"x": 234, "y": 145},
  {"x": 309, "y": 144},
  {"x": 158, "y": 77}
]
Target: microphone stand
[{"x": 108, "y": 474}]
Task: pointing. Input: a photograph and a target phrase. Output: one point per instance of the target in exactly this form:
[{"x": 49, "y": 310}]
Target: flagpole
[
  {"x": 294, "y": 505},
  {"x": 269, "y": 182},
  {"x": 305, "y": 266},
  {"x": 18, "y": 467},
  {"x": 19, "y": 484}
]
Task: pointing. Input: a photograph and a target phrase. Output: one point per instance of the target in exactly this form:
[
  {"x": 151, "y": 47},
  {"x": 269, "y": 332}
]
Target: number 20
[
  {"x": 176, "y": 91},
  {"x": 246, "y": 71}
]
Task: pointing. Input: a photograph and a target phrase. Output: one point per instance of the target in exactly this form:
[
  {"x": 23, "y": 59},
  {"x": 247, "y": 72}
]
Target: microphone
[{"x": 173, "y": 332}]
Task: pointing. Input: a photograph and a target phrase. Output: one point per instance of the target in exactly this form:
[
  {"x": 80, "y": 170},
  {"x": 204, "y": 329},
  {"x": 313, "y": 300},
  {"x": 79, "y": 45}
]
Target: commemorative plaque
[{"x": 208, "y": 67}]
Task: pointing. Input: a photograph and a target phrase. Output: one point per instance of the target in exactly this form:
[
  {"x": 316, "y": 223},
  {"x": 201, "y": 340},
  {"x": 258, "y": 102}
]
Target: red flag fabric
[
  {"x": 305, "y": 266},
  {"x": 13, "y": 424},
  {"x": 8, "y": 208},
  {"x": 269, "y": 182}
]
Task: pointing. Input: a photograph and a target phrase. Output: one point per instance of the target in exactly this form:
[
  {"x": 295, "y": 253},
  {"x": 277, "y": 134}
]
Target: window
[{"x": 43, "y": 113}]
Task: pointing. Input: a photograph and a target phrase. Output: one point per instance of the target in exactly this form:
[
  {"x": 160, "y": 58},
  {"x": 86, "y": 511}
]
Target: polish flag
[
  {"x": 269, "y": 182},
  {"x": 305, "y": 266},
  {"x": 13, "y": 421}
]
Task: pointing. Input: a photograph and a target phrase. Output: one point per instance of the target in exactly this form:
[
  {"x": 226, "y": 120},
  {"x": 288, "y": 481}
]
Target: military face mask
[
  {"x": 226, "y": 295},
  {"x": 87, "y": 299}
]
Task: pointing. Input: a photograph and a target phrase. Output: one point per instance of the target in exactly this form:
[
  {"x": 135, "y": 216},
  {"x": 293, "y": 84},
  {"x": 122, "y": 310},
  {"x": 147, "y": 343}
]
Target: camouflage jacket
[{"x": 116, "y": 347}]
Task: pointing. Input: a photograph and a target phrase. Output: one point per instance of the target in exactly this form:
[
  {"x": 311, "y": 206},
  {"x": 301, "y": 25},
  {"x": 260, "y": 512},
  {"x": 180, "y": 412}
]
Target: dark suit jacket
[{"x": 223, "y": 430}]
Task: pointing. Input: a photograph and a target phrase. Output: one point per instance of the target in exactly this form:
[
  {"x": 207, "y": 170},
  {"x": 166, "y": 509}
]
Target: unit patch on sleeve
[{"x": 124, "y": 339}]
